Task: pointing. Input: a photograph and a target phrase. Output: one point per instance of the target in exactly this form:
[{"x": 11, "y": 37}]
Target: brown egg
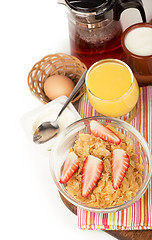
[{"x": 58, "y": 85}]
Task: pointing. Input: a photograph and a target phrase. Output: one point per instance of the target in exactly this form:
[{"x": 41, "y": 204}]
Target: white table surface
[{"x": 30, "y": 206}]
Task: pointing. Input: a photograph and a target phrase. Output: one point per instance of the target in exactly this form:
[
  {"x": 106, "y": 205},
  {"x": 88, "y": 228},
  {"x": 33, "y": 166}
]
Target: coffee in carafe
[{"x": 92, "y": 45}]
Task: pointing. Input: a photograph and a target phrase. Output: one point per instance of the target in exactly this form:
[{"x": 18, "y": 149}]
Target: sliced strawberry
[
  {"x": 119, "y": 164},
  {"x": 99, "y": 130},
  {"x": 71, "y": 164},
  {"x": 91, "y": 172}
]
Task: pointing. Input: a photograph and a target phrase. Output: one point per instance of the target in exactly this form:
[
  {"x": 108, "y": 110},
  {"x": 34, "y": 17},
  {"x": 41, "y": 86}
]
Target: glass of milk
[{"x": 137, "y": 51}]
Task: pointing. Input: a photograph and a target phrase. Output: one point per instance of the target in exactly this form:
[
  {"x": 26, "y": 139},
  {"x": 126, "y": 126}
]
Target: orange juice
[{"x": 111, "y": 88}]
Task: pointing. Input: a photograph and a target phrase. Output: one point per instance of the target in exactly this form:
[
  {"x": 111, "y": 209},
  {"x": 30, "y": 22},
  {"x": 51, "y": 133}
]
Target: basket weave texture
[{"x": 55, "y": 64}]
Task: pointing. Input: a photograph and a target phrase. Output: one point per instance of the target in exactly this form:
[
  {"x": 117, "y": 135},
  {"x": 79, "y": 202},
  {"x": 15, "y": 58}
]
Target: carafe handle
[{"x": 122, "y": 5}]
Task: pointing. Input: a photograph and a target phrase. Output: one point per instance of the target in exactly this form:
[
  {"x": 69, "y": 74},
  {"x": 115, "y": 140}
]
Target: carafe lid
[{"x": 88, "y": 6}]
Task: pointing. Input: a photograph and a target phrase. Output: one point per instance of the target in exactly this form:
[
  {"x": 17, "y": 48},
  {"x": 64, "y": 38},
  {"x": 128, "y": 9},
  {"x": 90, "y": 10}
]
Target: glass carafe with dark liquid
[{"x": 94, "y": 27}]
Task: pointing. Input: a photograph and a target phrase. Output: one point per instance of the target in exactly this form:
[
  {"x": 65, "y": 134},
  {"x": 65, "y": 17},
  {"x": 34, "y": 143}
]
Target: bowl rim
[{"x": 117, "y": 208}]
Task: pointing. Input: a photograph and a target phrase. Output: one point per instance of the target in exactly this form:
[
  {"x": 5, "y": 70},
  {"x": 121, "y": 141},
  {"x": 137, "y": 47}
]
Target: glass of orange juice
[{"x": 111, "y": 87}]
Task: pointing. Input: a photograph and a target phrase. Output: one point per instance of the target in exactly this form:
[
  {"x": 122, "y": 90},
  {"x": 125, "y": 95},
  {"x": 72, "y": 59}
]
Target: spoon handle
[{"x": 75, "y": 90}]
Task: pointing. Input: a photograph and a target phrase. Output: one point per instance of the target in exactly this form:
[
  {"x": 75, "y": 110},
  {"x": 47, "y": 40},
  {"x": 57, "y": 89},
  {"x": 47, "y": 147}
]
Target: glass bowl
[{"x": 66, "y": 140}]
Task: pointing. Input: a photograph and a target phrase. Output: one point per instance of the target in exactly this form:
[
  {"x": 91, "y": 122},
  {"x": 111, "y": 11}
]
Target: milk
[
  {"x": 139, "y": 41},
  {"x": 49, "y": 112},
  {"x": 66, "y": 118}
]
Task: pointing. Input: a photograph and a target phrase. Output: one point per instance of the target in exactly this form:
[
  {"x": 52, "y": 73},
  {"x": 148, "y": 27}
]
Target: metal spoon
[{"x": 48, "y": 130}]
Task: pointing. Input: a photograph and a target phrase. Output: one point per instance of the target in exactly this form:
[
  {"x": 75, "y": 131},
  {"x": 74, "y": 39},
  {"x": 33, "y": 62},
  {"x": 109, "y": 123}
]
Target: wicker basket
[{"x": 55, "y": 64}]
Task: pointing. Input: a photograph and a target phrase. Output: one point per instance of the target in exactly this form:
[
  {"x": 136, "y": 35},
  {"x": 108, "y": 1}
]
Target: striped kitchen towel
[{"x": 139, "y": 215}]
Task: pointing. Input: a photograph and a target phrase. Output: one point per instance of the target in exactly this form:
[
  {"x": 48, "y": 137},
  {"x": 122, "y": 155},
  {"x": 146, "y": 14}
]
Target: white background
[{"x": 30, "y": 206}]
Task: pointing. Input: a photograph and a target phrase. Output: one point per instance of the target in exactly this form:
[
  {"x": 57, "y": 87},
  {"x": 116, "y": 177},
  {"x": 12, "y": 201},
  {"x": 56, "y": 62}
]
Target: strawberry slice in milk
[
  {"x": 91, "y": 172},
  {"x": 71, "y": 165},
  {"x": 119, "y": 164},
  {"x": 99, "y": 130}
]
